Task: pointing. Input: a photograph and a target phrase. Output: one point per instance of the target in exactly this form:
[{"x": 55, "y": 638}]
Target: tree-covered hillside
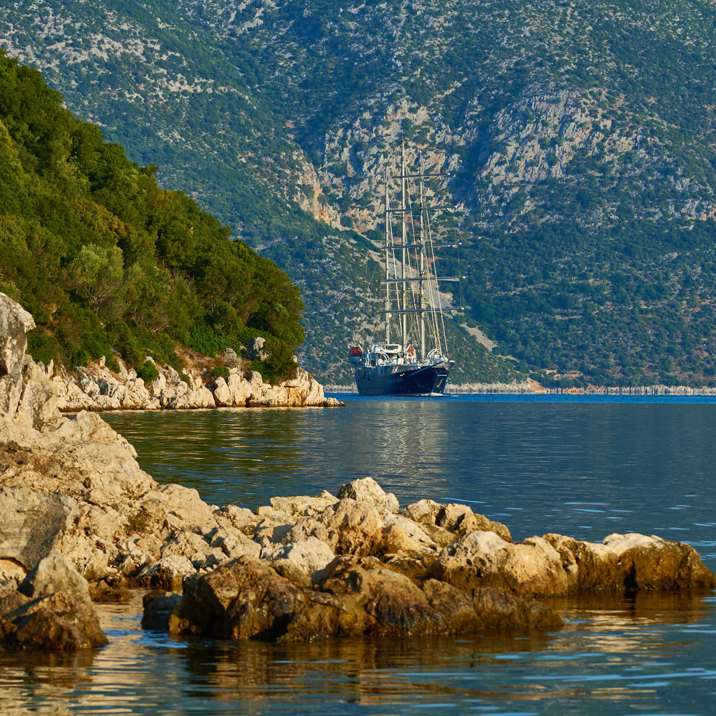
[
  {"x": 105, "y": 259},
  {"x": 578, "y": 136}
]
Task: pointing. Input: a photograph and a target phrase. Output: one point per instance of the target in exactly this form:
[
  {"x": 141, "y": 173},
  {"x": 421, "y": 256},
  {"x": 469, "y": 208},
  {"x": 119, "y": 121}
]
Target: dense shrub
[
  {"x": 148, "y": 372},
  {"x": 106, "y": 259}
]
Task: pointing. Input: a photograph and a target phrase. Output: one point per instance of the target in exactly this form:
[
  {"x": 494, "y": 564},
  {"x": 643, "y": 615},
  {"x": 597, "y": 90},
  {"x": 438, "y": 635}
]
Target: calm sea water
[{"x": 581, "y": 467}]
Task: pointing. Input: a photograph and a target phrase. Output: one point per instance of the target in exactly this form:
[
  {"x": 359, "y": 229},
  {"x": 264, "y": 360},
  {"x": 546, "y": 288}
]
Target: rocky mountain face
[{"x": 577, "y": 138}]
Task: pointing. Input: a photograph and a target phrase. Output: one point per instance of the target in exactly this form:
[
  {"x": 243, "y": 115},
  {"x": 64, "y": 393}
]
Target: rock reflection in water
[
  {"x": 593, "y": 658},
  {"x": 613, "y": 650}
]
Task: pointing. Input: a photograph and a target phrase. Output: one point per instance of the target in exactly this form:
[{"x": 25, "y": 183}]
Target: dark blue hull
[{"x": 402, "y": 380}]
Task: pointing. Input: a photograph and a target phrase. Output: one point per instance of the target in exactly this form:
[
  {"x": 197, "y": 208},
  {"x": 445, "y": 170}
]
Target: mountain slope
[
  {"x": 579, "y": 138},
  {"x": 107, "y": 261}
]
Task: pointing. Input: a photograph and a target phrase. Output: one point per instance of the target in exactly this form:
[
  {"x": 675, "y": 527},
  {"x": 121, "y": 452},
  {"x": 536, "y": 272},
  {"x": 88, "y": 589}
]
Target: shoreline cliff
[{"x": 97, "y": 388}]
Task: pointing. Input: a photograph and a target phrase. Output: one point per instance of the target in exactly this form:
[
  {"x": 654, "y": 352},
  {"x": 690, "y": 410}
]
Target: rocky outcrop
[
  {"x": 352, "y": 596},
  {"x": 32, "y": 524},
  {"x": 76, "y": 506},
  {"x": 50, "y": 610},
  {"x": 97, "y": 388}
]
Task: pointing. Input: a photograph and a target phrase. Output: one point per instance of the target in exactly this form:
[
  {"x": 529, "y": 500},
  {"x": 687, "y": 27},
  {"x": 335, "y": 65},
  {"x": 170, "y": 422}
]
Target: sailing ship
[{"x": 412, "y": 358}]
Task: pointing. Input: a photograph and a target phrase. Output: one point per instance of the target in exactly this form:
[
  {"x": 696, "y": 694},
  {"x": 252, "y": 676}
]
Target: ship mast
[
  {"x": 403, "y": 303},
  {"x": 421, "y": 268},
  {"x": 387, "y": 258}
]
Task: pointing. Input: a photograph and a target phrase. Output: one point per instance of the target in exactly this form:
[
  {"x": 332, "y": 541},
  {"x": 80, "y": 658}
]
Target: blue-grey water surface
[{"x": 584, "y": 468}]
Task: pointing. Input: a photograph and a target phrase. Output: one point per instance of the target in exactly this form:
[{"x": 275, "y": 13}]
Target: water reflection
[
  {"x": 581, "y": 469},
  {"x": 613, "y": 654}
]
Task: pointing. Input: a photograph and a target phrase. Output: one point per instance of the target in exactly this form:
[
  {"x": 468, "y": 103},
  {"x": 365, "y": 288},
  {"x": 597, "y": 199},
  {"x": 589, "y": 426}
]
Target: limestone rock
[
  {"x": 368, "y": 492},
  {"x": 233, "y": 543},
  {"x": 454, "y": 518},
  {"x": 169, "y": 573},
  {"x": 32, "y": 523},
  {"x": 38, "y": 401},
  {"x": 349, "y": 527},
  {"x": 308, "y": 555},
  {"x": 631, "y": 562},
  {"x": 158, "y": 607},
  {"x": 10, "y": 598},
  {"x": 57, "y": 622},
  {"x": 255, "y": 349},
  {"x": 402, "y": 535},
  {"x": 242, "y": 600},
  {"x": 482, "y": 559},
  {"x": 238, "y": 518},
  {"x": 502, "y": 610},
  {"x": 302, "y": 506},
  {"x": 175, "y": 507},
  {"x": 14, "y": 324},
  {"x": 54, "y": 574},
  {"x": 51, "y": 610}
]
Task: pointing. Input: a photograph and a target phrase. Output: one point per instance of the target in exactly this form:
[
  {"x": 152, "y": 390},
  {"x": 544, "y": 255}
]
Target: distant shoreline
[{"x": 522, "y": 389}]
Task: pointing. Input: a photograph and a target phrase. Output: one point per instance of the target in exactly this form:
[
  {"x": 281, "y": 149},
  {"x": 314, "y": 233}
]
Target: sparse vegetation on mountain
[{"x": 578, "y": 135}]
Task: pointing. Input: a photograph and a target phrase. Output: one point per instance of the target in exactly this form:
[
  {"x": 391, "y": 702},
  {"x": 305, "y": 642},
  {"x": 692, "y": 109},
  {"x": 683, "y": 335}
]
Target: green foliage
[
  {"x": 220, "y": 371},
  {"x": 148, "y": 372},
  {"x": 105, "y": 259},
  {"x": 279, "y": 365}
]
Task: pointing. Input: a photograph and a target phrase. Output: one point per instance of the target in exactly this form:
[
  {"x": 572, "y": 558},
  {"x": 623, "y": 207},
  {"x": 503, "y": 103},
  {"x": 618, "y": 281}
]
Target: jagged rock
[
  {"x": 70, "y": 396},
  {"x": 10, "y": 598},
  {"x": 57, "y": 622},
  {"x": 14, "y": 324},
  {"x": 169, "y": 573},
  {"x": 230, "y": 358},
  {"x": 233, "y": 543},
  {"x": 199, "y": 398},
  {"x": 242, "y": 600},
  {"x": 423, "y": 511},
  {"x": 348, "y": 527},
  {"x": 51, "y": 610},
  {"x": 352, "y": 596},
  {"x": 454, "y": 518},
  {"x": 301, "y": 506},
  {"x": 368, "y": 492},
  {"x": 32, "y": 523},
  {"x": 38, "y": 404},
  {"x": 175, "y": 507},
  {"x": 308, "y": 555},
  {"x": 402, "y": 535},
  {"x": 97, "y": 388},
  {"x": 631, "y": 562},
  {"x": 255, "y": 349},
  {"x": 232, "y": 393},
  {"x": 482, "y": 559},
  {"x": 54, "y": 574}
]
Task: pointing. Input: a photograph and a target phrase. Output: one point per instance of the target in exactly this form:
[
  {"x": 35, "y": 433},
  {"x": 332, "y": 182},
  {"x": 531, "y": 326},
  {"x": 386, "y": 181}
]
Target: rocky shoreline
[
  {"x": 99, "y": 389},
  {"x": 82, "y": 521}
]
